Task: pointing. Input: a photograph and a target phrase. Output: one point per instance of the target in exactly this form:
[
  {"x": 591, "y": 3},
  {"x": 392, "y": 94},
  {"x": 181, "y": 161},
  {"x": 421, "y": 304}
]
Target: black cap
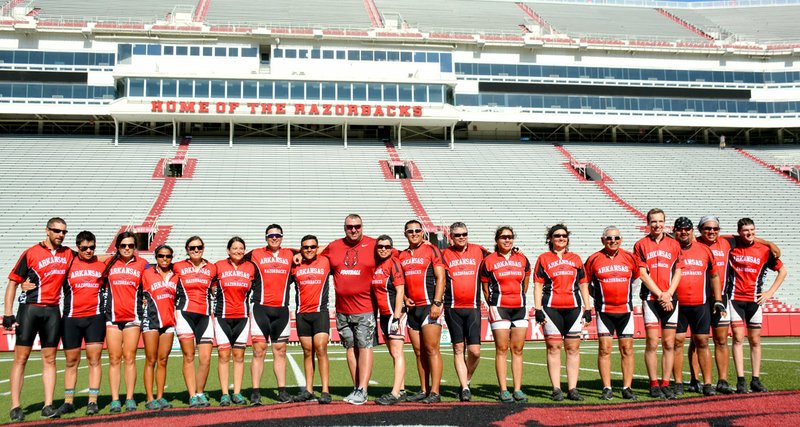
[{"x": 683, "y": 222}]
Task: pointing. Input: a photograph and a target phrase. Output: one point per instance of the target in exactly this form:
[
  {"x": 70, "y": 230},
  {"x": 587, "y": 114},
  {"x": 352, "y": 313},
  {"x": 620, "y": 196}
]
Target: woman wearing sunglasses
[
  {"x": 159, "y": 286},
  {"x": 561, "y": 299},
  {"x": 505, "y": 275},
  {"x": 193, "y": 318},
  {"x": 123, "y": 309}
]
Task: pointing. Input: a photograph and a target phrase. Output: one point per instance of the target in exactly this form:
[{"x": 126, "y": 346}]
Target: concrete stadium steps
[
  {"x": 145, "y": 10},
  {"x": 694, "y": 181},
  {"x": 779, "y": 24},
  {"x": 443, "y": 16},
  {"x": 306, "y": 13}
]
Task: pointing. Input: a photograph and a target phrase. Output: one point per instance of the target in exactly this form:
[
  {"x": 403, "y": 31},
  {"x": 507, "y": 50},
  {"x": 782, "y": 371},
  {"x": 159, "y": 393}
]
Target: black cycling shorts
[
  {"x": 76, "y": 330},
  {"x": 44, "y": 321}
]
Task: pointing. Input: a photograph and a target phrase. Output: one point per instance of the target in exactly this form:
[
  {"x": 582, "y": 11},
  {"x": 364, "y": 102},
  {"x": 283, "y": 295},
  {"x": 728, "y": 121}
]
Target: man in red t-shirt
[
  {"x": 352, "y": 260},
  {"x": 41, "y": 271},
  {"x": 659, "y": 269},
  {"x": 748, "y": 262}
]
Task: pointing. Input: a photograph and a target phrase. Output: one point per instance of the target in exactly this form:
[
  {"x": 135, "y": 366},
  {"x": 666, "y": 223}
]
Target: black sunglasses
[
  {"x": 57, "y": 230},
  {"x": 710, "y": 228},
  {"x": 353, "y": 227},
  {"x": 413, "y": 231},
  {"x": 383, "y": 246},
  {"x": 196, "y": 248},
  {"x": 87, "y": 248},
  {"x": 309, "y": 247},
  {"x": 127, "y": 245},
  {"x": 274, "y": 236},
  {"x": 457, "y": 235},
  {"x": 167, "y": 256}
]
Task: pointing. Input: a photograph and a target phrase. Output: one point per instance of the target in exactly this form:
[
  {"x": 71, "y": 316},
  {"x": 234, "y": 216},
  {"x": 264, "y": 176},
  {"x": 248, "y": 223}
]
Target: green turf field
[{"x": 780, "y": 371}]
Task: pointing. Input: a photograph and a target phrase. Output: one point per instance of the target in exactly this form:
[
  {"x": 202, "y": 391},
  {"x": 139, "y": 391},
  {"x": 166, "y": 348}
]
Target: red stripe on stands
[
  {"x": 200, "y": 10},
  {"x": 535, "y": 16},
  {"x": 374, "y": 15},
  {"x": 761, "y": 162},
  {"x": 684, "y": 24},
  {"x": 8, "y": 7},
  {"x": 411, "y": 193}
]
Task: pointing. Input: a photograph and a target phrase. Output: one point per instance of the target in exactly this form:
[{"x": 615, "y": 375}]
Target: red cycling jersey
[
  {"x": 505, "y": 278},
  {"x": 561, "y": 278},
  {"x": 274, "y": 268},
  {"x": 747, "y": 270},
  {"x": 159, "y": 296},
  {"x": 721, "y": 248},
  {"x": 388, "y": 276},
  {"x": 611, "y": 279},
  {"x": 463, "y": 268},
  {"x": 82, "y": 288},
  {"x": 124, "y": 279},
  {"x": 660, "y": 258},
  {"x": 44, "y": 267},
  {"x": 418, "y": 270},
  {"x": 194, "y": 287},
  {"x": 353, "y": 265},
  {"x": 234, "y": 284},
  {"x": 698, "y": 266},
  {"x": 312, "y": 281}
]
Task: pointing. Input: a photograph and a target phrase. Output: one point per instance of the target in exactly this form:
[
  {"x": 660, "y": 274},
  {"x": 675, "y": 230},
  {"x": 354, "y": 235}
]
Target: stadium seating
[
  {"x": 779, "y": 24},
  {"x": 312, "y": 13},
  {"x": 457, "y": 16},
  {"x": 146, "y": 10}
]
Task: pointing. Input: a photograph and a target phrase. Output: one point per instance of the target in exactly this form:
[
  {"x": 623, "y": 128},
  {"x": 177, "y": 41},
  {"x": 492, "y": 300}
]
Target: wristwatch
[{"x": 437, "y": 303}]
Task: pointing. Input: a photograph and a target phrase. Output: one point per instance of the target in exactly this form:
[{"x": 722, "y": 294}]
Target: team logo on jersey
[{"x": 351, "y": 258}]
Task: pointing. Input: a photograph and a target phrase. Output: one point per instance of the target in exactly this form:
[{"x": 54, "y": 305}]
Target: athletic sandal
[
  {"x": 115, "y": 407},
  {"x": 130, "y": 405}
]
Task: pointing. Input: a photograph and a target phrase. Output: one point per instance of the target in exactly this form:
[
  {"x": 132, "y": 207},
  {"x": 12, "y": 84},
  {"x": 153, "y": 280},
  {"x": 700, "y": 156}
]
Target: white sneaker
[
  {"x": 349, "y": 397},
  {"x": 359, "y": 397}
]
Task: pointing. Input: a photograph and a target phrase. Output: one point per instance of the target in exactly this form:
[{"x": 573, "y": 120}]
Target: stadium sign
[{"x": 277, "y": 108}]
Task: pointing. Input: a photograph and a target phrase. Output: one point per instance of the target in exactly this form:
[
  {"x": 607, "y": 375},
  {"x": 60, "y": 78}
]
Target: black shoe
[
  {"x": 324, "y": 398},
  {"x": 678, "y": 389},
  {"x": 756, "y": 386},
  {"x": 50, "y": 411},
  {"x": 387, "y": 399},
  {"x": 17, "y": 414},
  {"x": 92, "y": 409},
  {"x": 656, "y": 393},
  {"x": 607, "y": 394},
  {"x": 466, "y": 395},
  {"x": 628, "y": 394},
  {"x": 741, "y": 386},
  {"x": 694, "y": 386},
  {"x": 708, "y": 390},
  {"x": 557, "y": 395},
  {"x": 417, "y": 397},
  {"x": 668, "y": 394},
  {"x": 724, "y": 388},
  {"x": 575, "y": 395},
  {"x": 66, "y": 408},
  {"x": 432, "y": 398},
  {"x": 284, "y": 397},
  {"x": 303, "y": 396},
  {"x": 255, "y": 399}
]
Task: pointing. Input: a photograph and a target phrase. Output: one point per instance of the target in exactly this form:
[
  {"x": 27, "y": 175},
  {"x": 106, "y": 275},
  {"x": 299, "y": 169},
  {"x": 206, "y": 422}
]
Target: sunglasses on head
[
  {"x": 87, "y": 248},
  {"x": 196, "y": 248},
  {"x": 274, "y": 236},
  {"x": 57, "y": 230},
  {"x": 383, "y": 246},
  {"x": 457, "y": 235},
  {"x": 309, "y": 247},
  {"x": 612, "y": 238},
  {"x": 353, "y": 227},
  {"x": 710, "y": 228},
  {"x": 127, "y": 245},
  {"x": 167, "y": 256}
]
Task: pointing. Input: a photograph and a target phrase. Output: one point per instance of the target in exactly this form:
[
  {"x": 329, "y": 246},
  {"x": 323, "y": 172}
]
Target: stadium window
[
  {"x": 201, "y": 88},
  {"x": 291, "y": 53},
  {"x": 169, "y": 88},
  {"x": 249, "y": 89},
  {"x": 509, "y": 69},
  {"x": 218, "y": 88},
  {"x": 315, "y": 53},
  {"x": 404, "y": 93},
  {"x": 79, "y": 91},
  {"x": 124, "y": 52},
  {"x": 169, "y": 50},
  {"x": 249, "y": 52},
  {"x": 297, "y": 90},
  {"x": 327, "y": 54},
  {"x": 466, "y": 100},
  {"x": 153, "y": 87},
  {"x": 208, "y": 51},
  {"x": 277, "y": 53},
  {"x": 353, "y": 55},
  {"x": 328, "y": 91},
  {"x": 23, "y": 57},
  {"x": 135, "y": 87},
  {"x": 35, "y": 90},
  {"x": 194, "y": 51},
  {"x": 266, "y": 52},
  {"x": 6, "y": 57},
  {"x": 36, "y": 57},
  {"x": 446, "y": 63},
  {"x": 406, "y": 57},
  {"x": 154, "y": 50},
  {"x": 374, "y": 92},
  {"x": 182, "y": 50},
  {"x": 302, "y": 53},
  {"x": 432, "y": 57},
  {"x": 484, "y": 70},
  {"x": 140, "y": 49},
  {"x": 519, "y": 101},
  {"x": 233, "y": 89},
  {"x": 380, "y": 55},
  {"x": 340, "y": 54},
  {"x": 281, "y": 90},
  {"x": 233, "y": 52},
  {"x": 420, "y": 93},
  {"x": 359, "y": 91},
  {"x": 265, "y": 90},
  {"x": 435, "y": 94},
  {"x": 419, "y": 56},
  {"x": 220, "y": 51},
  {"x": 20, "y": 90},
  {"x": 185, "y": 88},
  {"x": 393, "y": 56},
  {"x": 312, "y": 90},
  {"x": 389, "y": 92},
  {"x": 344, "y": 91},
  {"x": 5, "y": 90},
  {"x": 50, "y": 58},
  {"x": 367, "y": 55}
]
